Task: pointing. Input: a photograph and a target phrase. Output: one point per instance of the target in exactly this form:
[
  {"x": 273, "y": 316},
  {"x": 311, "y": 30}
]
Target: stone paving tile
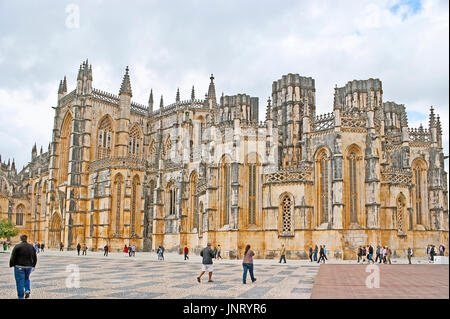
[
  {"x": 255, "y": 292},
  {"x": 221, "y": 287},
  {"x": 274, "y": 279},
  {"x": 77, "y": 291},
  {"x": 301, "y": 290},
  {"x": 185, "y": 286},
  {"x": 134, "y": 295}
]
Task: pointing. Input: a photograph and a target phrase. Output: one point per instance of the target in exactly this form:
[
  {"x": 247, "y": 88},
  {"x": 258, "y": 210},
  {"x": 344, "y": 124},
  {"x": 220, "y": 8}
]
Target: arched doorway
[{"x": 55, "y": 231}]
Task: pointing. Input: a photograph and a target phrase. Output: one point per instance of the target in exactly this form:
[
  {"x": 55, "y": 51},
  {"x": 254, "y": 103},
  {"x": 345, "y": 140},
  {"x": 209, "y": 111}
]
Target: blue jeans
[
  {"x": 22, "y": 276},
  {"x": 248, "y": 267}
]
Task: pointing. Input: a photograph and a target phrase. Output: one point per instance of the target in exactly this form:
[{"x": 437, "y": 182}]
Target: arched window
[
  {"x": 420, "y": 189},
  {"x": 3, "y": 185},
  {"x": 252, "y": 170},
  {"x": 19, "y": 215},
  {"x": 286, "y": 210},
  {"x": 225, "y": 191},
  {"x": 167, "y": 147},
  {"x": 193, "y": 212},
  {"x": 134, "y": 200},
  {"x": 104, "y": 138},
  {"x": 152, "y": 152},
  {"x": 171, "y": 198},
  {"x": 134, "y": 142},
  {"x": 118, "y": 183},
  {"x": 64, "y": 149},
  {"x": 401, "y": 222},
  {"x": 323, "y": 185},
  {"x": 353, "y": 189}
]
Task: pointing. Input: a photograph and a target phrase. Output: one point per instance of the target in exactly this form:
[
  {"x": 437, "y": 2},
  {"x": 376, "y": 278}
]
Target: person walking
[
  {"x": 316, "y": 250},
  {"x": 23, "y": 259},
  {"x": 5, "y": 246},
  {"x": 364, "y": 254},
  {"x": 377, "y": 252},
  {"x": 247, "y": 264},
  {"x": 384, "y": 254},
  {"x": 133, "y": 251},
  {"x": 78, "y": 249},
  {"x": 158, "y": 251},
  {"x": 370, "y": 255},
  {"x": 215, "y": 252},
  {"x": 441, "y": 250},
  {"x": 106, "y": 249},
  {"x": 321, "y": 255},
  {"x": 125, "y": 250},
  {"x": 186, "y": 252},
  {"x": 409, "y": 254},
  {"x": 325, "y": 253},
  {"x": 162, "y": 253},
  {"x": 388, "y": 254},
  {"x": 207, "y": 262},
  {"x": 219, "y": 252},
  {"x": 42, "y": 247},
  {"x": 61, "y": 247},
  {"x": 359, "y": 254},
  {"x": 84, "y": 250},
  {"x": 432, "y": 253},
  {"x": 310, "y": 253},
  {"x": 129, "y": 251},
  {"x": 283, "y": 254}
]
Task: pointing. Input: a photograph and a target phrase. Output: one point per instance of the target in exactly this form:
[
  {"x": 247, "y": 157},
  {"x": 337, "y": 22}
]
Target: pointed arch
[
  {"x": 64, "y": 148},
  {"x": 20, "y": 209},
  {"x": 55, "y": 230},
  {"x": 117, "y": 204},
  {"x": 353, "y": 182},
  {"x": 193, "y": 201},
  {"x": 171, "y": 196},
  {"x": 167, "y": 147},
  {"x": 104, "y": 137},
  {"x": 285, "y": 215},
  {"x": 401, "y": 216},
  {"x": 323, "y": 185},
  {"x": 225, "y": 190},
  {"x": 419, "y": 191},
  {"x": 134, "y": 204},
  {"x": 252, "y": 165},
  {"x": 135, "y": 141}
]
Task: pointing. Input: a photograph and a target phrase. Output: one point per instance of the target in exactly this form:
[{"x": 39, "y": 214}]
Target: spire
[
  {"x": 60, "y": 89},
  {"x": 432, "y": 122},
  {"x": 34, "y": 152},
  {"x": 268, "y": 111},
  {"x": 41, "y": 150},
  {"x": 13, "y": 166},
  {"x": 150, "y": 101},
  {"x": 212, "y": 88},
  {"x": 126, "y": 85},
  {"x": 161, "y": 103},
  {"x": 80, "y": 72},
  {"x": 64, "y": 85},
  {"x": 193, "y": 94},
  {"x": 438, "y": 125},
  {"x": 177, "y": 98}
]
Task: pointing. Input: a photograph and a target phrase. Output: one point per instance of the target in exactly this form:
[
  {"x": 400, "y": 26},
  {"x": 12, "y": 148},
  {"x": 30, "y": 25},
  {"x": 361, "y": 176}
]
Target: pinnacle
[{"x": 126, "y": 85}]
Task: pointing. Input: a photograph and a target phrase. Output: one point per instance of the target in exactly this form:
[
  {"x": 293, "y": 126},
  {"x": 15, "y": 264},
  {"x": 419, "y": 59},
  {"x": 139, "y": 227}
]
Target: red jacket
[{"x": 186, "y": 250}]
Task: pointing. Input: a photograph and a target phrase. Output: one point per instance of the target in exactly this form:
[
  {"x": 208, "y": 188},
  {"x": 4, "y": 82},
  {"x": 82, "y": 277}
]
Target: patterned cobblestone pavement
[
  {"x": 144, "y": 277},
  {"x": 117, "y": 276}
]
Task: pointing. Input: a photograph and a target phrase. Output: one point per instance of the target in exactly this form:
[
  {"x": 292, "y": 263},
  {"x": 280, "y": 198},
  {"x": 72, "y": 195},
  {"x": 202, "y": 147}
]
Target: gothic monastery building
[{"x": 206, "y": 170}]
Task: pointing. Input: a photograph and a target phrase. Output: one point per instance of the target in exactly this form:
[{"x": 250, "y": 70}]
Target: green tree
[{"x": 7, "y": 229}]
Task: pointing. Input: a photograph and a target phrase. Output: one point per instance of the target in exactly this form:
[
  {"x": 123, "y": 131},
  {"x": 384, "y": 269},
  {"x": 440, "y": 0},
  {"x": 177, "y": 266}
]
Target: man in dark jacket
[
  {"x": 78, "y": 249},
  {"x": 207, "y": 262},
  {"x": 23, "y": 259}
]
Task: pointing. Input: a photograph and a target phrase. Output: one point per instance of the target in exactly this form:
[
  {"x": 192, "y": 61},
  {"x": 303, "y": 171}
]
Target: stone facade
[{"x": 205, "y": 170}]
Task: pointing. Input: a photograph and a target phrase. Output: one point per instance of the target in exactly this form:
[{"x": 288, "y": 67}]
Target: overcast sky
[{"x": 246, "y": 44}]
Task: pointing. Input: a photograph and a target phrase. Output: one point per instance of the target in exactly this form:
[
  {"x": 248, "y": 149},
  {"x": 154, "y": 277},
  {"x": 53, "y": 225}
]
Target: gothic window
[
  {"x": 19, "y": 215},
  {"x": 134, "y": 141},
  {"x": 286, "y": 207},
  {"x": 324, "y": 197},
  {"x": 134, "y": 199},
  {"x": 152, "y": 152},
  {"x": 193, "y": 214},
  {"x": 225, "y": 191},
  {"x": 419, "y": 180},
  {"x": 104, "y": 138},
  {"x": 171, "y": 193},
  {"x": 167, "y": 147},
  {"x": 353, "y": 189},
  {"x": 322, "y": 185},
  {"x": 64, "y": 149},
  {"x": 252, "y": 194},
  {"x": 118, "y": 202}
]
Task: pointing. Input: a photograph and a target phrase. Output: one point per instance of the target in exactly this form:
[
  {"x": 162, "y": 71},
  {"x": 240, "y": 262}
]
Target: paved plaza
[{"x": 144, "y": 277}]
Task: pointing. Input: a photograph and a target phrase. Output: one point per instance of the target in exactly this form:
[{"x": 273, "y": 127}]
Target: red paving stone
[{"x": 396, "y": 282}]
